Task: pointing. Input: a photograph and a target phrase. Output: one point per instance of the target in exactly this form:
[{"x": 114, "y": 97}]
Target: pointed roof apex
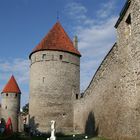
[
  {"x": 11, "y": 86},
  {"x": 56, "y": 40}
]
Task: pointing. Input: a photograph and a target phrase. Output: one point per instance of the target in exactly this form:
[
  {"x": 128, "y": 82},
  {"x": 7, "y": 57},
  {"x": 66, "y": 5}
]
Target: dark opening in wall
[
  {"x": 128, "y": 20},
  {"x": 15, "y": 95},
  {"x": 5, "y": 107},
  {"x": 76, "y": 96},
  {"x": 128, "y": 26},
  {"x": 61, "y": 57},
  {"x": 43, "y": 79},
  {"x": 6, "y": 94},
  {"x": 64, "y": 114},
  {"x": 43, "y": 56}
]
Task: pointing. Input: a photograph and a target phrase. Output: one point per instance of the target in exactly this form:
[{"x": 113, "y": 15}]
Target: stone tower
[
  {"x": 54, "y": 81},
  {"x": 10, "y": 102}
]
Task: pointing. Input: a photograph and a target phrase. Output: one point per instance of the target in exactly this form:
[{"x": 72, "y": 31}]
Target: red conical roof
[
  {"x": 58, "y": 40},
  {"x": 11, "y": 86}
]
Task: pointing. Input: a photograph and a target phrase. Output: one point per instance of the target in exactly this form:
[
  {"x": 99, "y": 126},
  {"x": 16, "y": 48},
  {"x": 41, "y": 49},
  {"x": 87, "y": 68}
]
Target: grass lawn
[
  {"x": 97, "y": 139},
  {"x": 21, "y": 137}
]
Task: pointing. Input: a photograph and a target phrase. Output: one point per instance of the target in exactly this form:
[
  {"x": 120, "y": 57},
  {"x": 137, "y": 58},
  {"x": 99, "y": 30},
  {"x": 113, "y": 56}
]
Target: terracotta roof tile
[
  {"x": 11, "y": 86},
  {"x": 57, "y": 39}
]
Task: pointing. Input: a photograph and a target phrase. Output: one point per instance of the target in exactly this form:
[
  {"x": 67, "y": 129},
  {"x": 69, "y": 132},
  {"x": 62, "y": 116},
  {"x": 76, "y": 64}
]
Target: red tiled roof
[
  {"x": 58, "y": 40},
  {"x": 11, "y": 86}
]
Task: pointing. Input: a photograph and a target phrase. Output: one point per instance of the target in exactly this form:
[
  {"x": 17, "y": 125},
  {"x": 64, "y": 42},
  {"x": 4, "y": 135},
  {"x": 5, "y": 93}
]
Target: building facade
[{"x": 54, "y": 81}]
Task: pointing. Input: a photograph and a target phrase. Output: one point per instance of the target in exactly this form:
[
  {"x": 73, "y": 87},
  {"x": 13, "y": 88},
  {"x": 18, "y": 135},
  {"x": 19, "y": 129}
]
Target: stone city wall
[{"x": 111, "y": 103}]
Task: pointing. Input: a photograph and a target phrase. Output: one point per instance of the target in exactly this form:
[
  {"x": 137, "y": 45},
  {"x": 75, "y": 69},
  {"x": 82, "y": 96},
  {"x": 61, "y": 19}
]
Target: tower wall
[
  {"x": 10, "y": 107},
  {"x": 54, "y": 83}
]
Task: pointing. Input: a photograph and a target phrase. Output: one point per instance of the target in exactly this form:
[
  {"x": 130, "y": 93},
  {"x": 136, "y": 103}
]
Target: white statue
[
  {"x": 52, "y": 124},
  {"x": 52, "y": 130}
]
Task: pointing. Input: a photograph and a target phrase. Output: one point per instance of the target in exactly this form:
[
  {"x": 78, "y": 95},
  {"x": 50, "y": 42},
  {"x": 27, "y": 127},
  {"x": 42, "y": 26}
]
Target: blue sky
[{"x": 23, "y": 23}]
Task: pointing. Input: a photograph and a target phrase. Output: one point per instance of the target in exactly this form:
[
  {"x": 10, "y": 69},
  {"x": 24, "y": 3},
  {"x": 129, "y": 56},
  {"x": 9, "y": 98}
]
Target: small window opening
[
  {"x": 128, "y": 23},
  {"x": 5, "y": 107},
  {"x": 76, "y": 96},
  {"x": 15, "y": 95},
  {"x": 64, "y": 114},
  {"x": 43, "y": 79},
  {"x": 44, "y": 56},
  {"x": 61, "y": 57},
  {"x": 6, "y": 94},
  {"x": 128, "y": 20}
]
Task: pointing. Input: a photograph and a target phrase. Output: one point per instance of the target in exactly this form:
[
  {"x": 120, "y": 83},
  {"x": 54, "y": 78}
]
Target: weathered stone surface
[
  {"x": 112, "y": 100},
  {"x": 10, "y": 107},
  {"x": 54, "y": 83}
]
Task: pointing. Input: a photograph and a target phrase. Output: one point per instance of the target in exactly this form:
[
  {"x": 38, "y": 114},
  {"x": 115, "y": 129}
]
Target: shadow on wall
[{"x": 90, "y": 128}]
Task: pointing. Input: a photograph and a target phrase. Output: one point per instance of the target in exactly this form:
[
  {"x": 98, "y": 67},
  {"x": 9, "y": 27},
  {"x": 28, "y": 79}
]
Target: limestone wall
[
  {"x": 10, "y": 107},
  {"x": 101, "y": 97},
  {"x": 54, "y": 83},
  {"x": 112, "y": 101}
]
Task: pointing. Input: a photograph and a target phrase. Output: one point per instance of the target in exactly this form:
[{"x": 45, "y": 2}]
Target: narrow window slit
[
  {"x": 61, "y": 57},
  {"x": 44, "y": 56},
  {"x": 43, "y": 79}
]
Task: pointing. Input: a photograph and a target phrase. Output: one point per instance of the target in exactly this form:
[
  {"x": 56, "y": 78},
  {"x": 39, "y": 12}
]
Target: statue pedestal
[
  {"x": 52, "y": 138},
  {"x": 53, "y": 135}
]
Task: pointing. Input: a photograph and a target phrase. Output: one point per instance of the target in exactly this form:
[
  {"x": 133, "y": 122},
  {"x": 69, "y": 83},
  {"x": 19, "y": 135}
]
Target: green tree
[{"x": 25, "y": 108}]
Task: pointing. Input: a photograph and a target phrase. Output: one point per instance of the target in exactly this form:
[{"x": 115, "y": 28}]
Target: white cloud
[
  {"x": 75, "y": 9},
  {"x": 20, "y": 69},
  {"x": 106, "y": 9},
  {"x": 77, "y": 12},
  {"x": 95, "y": 37}
]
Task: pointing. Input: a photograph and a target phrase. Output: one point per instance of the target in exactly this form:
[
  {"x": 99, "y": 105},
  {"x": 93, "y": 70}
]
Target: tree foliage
[{"x": 25, "y": 108}]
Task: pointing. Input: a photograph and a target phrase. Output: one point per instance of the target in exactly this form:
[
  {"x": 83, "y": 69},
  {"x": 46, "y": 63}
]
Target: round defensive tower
[
  {"x": 54, "y": 81},
  {"x": 10, "y": 103}
]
